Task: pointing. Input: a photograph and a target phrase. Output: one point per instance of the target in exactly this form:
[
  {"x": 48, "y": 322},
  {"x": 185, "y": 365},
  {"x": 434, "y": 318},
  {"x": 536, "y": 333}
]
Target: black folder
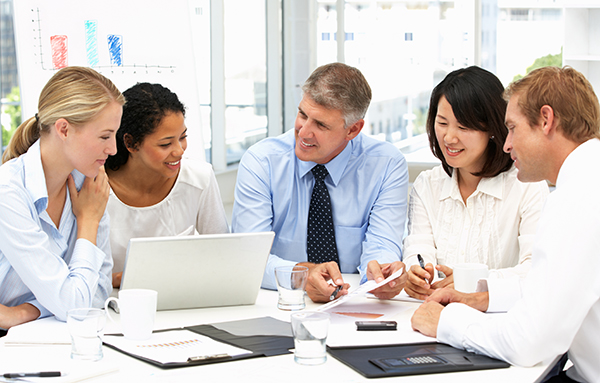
[
  {"x": 261, "y": 345},
  {"x": 411, "y": 359}
]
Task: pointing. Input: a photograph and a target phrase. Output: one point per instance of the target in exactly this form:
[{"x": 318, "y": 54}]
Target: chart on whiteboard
[
  {"x": 53, "y": 51},
  {"x": 127, "y": 41}
]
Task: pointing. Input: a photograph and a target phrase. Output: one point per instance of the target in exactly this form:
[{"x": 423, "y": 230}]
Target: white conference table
[{"x": 118, "y": 367}]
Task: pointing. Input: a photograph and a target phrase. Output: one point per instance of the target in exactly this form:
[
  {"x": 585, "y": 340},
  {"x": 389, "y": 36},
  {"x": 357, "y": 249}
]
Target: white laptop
[{"x": 198, "y": 271}]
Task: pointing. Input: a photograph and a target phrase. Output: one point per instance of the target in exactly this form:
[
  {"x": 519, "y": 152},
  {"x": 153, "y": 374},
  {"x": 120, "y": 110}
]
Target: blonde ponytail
[
  {"x": 76, "y": 94},
  {"x": 25, "y": 135}
]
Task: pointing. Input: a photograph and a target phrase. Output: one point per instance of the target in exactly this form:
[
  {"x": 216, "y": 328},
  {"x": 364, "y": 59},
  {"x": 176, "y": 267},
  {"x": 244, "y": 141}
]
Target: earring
[{"x": 491, "y": 137}]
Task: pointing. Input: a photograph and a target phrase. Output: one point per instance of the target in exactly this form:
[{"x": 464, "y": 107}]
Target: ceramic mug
[{"x": 137, "y": 308}]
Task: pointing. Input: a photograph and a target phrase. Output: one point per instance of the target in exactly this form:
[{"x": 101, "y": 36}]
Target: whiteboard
[{"x": 128, "y": 41}]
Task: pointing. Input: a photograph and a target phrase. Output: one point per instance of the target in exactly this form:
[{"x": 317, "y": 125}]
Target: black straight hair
[{"x": 476, "y": 97}]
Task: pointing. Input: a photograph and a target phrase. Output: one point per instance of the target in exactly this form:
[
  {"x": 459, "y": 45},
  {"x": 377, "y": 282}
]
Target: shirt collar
[
  {"x": 493, "y": 186},
  {"x": 577, "y": 158},
  {"x": 35, "y": 178},
  {"x": 335, "y": 167}
]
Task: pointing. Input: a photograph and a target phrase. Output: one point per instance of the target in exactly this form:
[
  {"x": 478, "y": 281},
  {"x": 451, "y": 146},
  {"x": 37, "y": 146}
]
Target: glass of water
[
  {"x": 310, "y": 330},
  {"x": 291, "y": 282},
  {"x": 85, "y": 327}
]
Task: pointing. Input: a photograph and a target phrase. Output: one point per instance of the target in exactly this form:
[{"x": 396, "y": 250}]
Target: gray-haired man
[{"x": 345, "y": 216}]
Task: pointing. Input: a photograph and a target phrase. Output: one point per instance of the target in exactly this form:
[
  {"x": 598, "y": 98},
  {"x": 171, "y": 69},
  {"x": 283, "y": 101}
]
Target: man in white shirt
[{"x": 553, "y": 118}]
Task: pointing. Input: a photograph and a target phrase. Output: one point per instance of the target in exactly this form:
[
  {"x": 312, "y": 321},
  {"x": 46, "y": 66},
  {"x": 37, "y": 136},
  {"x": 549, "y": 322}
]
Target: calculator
[{"x": 390, "y": 364}]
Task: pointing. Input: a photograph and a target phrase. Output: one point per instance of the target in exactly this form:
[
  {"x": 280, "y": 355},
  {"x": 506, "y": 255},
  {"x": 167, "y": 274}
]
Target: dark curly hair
[
  {"x": 476, "y": 99},
  {"x": 143, "y": 111}
]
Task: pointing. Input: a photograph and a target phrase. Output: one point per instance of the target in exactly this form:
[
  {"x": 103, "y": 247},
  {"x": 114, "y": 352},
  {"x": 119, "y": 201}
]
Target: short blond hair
[{"x": 567, "y": 92}]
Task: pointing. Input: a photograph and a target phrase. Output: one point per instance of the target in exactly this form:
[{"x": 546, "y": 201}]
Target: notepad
[
  {"x": 175, "y": 346},
  {"x": 47, "y": 331}
]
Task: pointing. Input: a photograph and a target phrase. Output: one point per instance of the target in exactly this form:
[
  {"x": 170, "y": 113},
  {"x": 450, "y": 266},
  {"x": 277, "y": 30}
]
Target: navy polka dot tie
[{"x": 320, "y": 243}]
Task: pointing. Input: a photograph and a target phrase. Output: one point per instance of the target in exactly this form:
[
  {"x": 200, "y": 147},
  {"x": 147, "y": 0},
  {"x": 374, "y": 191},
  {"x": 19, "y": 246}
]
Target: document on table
[
  {"x": 46, "y": 331},
  {"x": 81, "y": 373},
  {"x": 356, "y": 306},
  {"x": 403, "y": 297},
  {"x": 361, "y": 291},
  {"x": 175, "y": 346}
]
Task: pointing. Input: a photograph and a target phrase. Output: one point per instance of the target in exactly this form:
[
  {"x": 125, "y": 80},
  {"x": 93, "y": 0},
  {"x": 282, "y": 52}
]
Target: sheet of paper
[
  {"x": 360, "y": 291},
  {"x": 347, "y": 336},
  {"x": 402, "y": 297},
  {"x": 71, "y": 376},
  {"x": 174, "y": 346},
  {"x": 360, "y": 305},
  {"x": 342, "y": 331},
  {"x": 81, "y": 374},
  {"x": 45, "y": 331},
  {"x": 55, "y": 358},
  {"x": 363, "y": 310}
]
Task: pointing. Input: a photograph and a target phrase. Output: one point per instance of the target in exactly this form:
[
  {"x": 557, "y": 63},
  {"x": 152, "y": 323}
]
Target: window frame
[{"x": 274, "y": 80}]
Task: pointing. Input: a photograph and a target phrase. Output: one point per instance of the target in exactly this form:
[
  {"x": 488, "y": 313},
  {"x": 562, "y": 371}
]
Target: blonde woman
[{"x": 54, "y": 230}]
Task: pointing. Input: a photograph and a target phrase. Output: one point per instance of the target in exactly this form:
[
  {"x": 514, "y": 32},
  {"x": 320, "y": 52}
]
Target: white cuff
[
  {"x": 455, "y": 319},
  {"x": 503, "y": 293}
]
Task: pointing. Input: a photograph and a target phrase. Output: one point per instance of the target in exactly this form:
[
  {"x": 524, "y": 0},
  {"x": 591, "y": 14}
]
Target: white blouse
[
  {"x": 194, "y": 200},
  {"x": 496, "y": 226}
]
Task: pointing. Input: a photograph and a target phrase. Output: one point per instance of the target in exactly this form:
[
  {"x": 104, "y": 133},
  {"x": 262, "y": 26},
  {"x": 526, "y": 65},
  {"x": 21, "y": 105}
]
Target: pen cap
[{"x": 49, "y": 374}]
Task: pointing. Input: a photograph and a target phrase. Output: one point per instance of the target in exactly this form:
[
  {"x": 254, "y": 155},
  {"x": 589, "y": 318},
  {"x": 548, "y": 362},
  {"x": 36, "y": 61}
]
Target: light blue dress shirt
[
  {"x": 40, "y": 264},
  {"x": 367, "y": 184}
]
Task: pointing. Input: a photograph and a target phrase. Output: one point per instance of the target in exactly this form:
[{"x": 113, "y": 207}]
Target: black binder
[
  {"x": 260, "y": 345},
  {"x": 411, "y": 359}
]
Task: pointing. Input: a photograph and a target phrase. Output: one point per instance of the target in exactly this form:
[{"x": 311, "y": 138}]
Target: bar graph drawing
[
  {"x": 127, "y": 41},
  {"x": 115, "y": 49},
  {"x": 91, "y": 43},
  {"x": 59, "y": 47}
]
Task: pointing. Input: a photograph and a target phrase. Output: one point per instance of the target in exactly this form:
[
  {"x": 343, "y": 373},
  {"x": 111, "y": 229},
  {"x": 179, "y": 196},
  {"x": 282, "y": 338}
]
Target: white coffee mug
[
  {"x": 466, "y": 276},
  {"x": 137, "y": 308}
]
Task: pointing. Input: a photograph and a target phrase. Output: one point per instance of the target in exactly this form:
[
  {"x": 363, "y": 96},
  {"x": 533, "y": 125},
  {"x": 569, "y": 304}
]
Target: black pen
[
  {"x": 44, "y": 374},
  {"x": 335, "y": 292},
  {"x": 422, "y": 265}
]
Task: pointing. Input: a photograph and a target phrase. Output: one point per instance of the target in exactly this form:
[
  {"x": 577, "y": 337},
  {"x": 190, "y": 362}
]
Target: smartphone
[{"x": 375, "y": 325}]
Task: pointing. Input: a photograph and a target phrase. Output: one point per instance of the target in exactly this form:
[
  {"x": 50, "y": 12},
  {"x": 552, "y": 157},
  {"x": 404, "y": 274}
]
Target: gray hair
[{"x": 340, "y": 86}]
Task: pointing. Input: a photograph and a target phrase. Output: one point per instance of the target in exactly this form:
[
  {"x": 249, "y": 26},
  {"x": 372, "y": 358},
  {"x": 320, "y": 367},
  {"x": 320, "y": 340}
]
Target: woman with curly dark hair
[{"x": 154, "y": 190}]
